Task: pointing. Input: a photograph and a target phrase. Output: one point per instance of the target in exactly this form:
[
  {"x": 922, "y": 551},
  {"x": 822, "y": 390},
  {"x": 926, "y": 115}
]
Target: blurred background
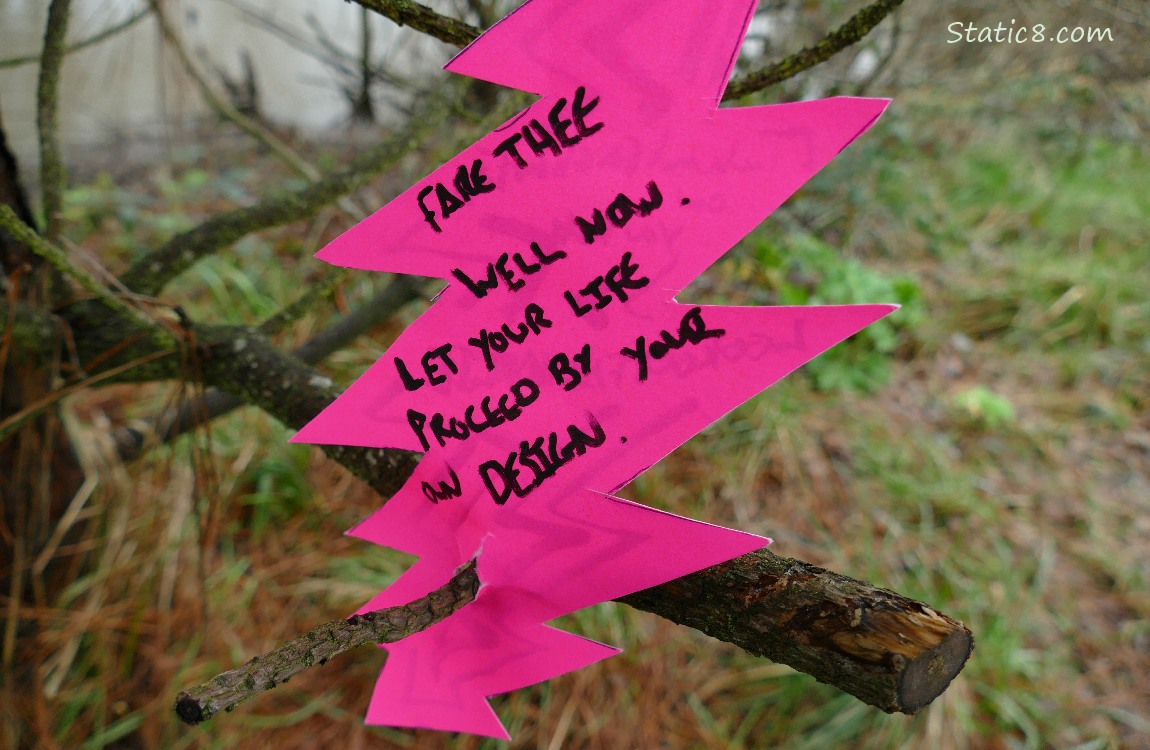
[{"x": 985, "y": 450}]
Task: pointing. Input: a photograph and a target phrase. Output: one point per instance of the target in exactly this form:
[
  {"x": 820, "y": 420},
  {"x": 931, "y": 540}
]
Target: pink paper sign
[{"x": 556, "y": 366}]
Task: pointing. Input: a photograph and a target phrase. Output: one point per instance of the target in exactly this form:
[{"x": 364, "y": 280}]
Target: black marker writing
[
  {"x": 620, "y": 211},
  {"x": 500, "y": 271},
  {"x": 564, "y": 374},
  {"x": 468, "y": 183},
  {"x": 497, "y": 341},
  {"x": 542, "y": 140},
  {"x": 508, "y": 408},
  {"x": 692, "y": 330},
  {"x": 445, "y": 491},
  {"x": 542, "y": 457},
  {"x": 618, "y": 279},
  {"x": 430, "y": 368}
]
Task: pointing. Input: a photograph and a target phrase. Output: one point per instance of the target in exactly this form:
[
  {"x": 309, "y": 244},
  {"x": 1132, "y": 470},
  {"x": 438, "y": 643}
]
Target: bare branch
[
  {"x": 316, "y": 291},
  {"x": 174, "y": 422},
  {"x": 424, "y": 19},
  {"x": 58, "y": 259},
  {"x": 47, "y": 105},
  {"x": 108, "y": 33},
  {"x": 222, "y": 107},
  {"x": 885, "y": 59},
  {"x": 246, "y": 364},
  {"x": 858, "y": 26},
  {"x": 235, "y": 359},
  {"x": 148, "y": 275},
  {"x": 228, "y": 690},
  {"x": 319, "y": 46},
  {"x": 362, "y": 104},
  {"x": 454, "y": 31},
  {"x": 483, "y": 11},
  {"x": 883, "y": 648},
  {"x": 151, "y": 273}
]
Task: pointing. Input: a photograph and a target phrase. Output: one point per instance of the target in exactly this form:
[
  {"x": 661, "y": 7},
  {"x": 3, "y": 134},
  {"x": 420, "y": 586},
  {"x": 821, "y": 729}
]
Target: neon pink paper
[{"x": 557, "y": 359}]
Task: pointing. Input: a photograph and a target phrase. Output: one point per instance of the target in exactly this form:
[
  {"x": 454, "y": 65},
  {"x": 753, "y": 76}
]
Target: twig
[
  {"x": 858, "y": 26},
  {"x": 883, "y": 63},
  {"x": 322, "y": 48},
  {"x": 58, "y": 259},
  {"x": 318, "y": 290},
  {"x": 47, "y": 104},
  {"x": 223, "y": 108},
  {"x": 228, "y": 690},
  {"x": 485, "y": 12},
  {"x": 459, "y": 33},
  {"x": 424, "y": 19},
  {"x": 362, "y": 106},
  {"x": 148, "y": 275},
  {"x": 236, "y": 359},
  {"x": 108, "y": 33},
  {"x": 399, "y": 292}
]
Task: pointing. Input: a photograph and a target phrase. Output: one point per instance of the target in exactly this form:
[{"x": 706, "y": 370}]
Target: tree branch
[
  {"x": 226, "y": 111},
  {"x": 883, "y": 648},
  {"x": 886, "y": 650},
  {"x": 58, "y": 259},
  {"x": 237, "y": 360},
  {"x": 454, "y": 31},
  {"x": 246, "y": 364},
  {"x": 174, "y": 422},
  {"x": 108, "y": 33},
  {"x": 424, "y": 19},
  {"x": 222, "y": 107},
  {"x": 857, "y": 27},
  {"x": 149, "y": 274},
  {"x": 47, "y": 105},
  {"x": 228, "y": 690},
  {"x": 320, "y": 46}
]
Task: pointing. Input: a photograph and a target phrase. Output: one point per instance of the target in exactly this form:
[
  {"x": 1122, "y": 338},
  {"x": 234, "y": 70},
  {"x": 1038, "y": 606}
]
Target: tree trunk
[{"x": 39, "y": 476}]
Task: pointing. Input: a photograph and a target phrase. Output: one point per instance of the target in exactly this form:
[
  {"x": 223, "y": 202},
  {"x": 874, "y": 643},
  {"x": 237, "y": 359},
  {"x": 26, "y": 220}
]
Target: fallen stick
[{"x": 883, "y": 648}]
